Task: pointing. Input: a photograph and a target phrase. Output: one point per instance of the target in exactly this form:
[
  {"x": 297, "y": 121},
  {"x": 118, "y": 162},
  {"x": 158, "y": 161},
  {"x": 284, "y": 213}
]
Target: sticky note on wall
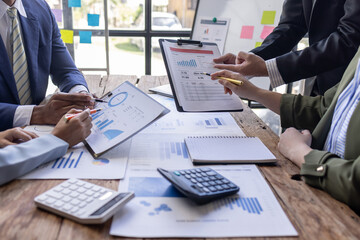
[
  {"x": 58, "y": 14},
  {"x": 74, "y": 3},
  {"x": 247, "y": 32},
  {"x": 85, "y": 36},
  {"x": 266, "y": 31},
  {"x": 258, "y": 44},
  {"x": 268, "y": 17},
  {"x": 67, "y": 36},
  {"x": 93, "y": 19}
]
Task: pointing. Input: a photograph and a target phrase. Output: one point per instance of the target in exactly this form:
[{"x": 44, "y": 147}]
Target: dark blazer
[
  {"x": 334, "y": 36},
  {"x": 46, "y": 55},
  {"x": 339, "y": 177}
]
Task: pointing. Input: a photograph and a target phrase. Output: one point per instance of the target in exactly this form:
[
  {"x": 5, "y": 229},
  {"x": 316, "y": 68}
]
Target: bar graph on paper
[
  {"x": 250, "y": 205},
  {"x": 173, "y": 150},
  {"x": 212, "y": 123},
  {"x": 68, "y": 161}
]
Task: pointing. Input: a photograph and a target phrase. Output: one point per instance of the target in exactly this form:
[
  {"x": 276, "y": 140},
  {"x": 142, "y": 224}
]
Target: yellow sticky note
[
  {"x": 258, "y": 44},
  {"x": 268, "y": 17},
  {"x": 67, "y": 36}
]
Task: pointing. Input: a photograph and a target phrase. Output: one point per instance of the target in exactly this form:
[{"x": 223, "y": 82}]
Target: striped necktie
[{"x": 19, "y": 63}]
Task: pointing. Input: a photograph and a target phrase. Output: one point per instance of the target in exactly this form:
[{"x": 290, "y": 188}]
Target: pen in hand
[
  {"x": 99, "y": 100},
  {"x": 70, "y": 116},
  {"x": 237, "y": 82}
]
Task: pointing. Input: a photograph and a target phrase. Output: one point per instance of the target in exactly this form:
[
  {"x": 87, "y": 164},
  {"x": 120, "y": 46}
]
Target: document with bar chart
[
  {"x": 194, "y": 91},
  {"x": 127, "y": 111},
  {"x": 159, "y": 210}
]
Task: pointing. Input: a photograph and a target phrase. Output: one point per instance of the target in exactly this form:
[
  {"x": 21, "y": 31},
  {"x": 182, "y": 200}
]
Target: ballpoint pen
[
  {"x": 72, "y": 115},
  {"x": 100, "y": 100},
  {"x": 237, "y": 82}
]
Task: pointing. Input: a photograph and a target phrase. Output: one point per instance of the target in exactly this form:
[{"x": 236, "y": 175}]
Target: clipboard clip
[{"x": 190, "y": 42}]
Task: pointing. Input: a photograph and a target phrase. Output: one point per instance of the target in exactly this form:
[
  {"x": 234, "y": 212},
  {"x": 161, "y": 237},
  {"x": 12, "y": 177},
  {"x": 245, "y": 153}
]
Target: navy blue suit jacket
[{"x": 46, "y": 55}]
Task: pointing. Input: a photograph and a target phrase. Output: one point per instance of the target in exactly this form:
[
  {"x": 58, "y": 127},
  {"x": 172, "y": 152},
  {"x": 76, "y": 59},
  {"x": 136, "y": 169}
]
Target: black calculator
[{"x": 202, "y": 185}]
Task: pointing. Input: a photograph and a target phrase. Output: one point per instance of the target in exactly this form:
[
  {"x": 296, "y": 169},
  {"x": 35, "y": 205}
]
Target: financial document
[
  {"x": 194, "y": 91},
  {"x": 127, "y": 112},
  {"x": 159, "y": 210},
  {"x": 79, "y": 163}
]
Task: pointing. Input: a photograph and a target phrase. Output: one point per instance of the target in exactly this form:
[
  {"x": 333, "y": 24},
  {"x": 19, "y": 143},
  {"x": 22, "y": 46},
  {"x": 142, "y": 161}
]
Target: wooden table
[{"x": 314, "y": 214}]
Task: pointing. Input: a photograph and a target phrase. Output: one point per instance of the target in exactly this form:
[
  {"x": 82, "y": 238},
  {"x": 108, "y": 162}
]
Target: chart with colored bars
[
  {"x": 250, "y": 205},
  {"x": 68, "y": 162},
  {"x": 211, "y": 123},
  {"x": 173, "y": 149},
  {"x": 190, "y": 63}
]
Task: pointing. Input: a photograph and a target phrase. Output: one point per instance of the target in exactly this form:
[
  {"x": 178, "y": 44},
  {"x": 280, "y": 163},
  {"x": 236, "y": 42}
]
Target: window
[{"x": 124, "y": 33}]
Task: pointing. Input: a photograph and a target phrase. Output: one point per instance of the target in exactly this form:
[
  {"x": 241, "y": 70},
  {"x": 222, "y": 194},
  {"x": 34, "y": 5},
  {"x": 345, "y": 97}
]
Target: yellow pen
[{"x": 237, "y": 82}]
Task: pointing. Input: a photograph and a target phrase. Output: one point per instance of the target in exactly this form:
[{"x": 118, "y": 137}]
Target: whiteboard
[{"x": 241, "y": 13}]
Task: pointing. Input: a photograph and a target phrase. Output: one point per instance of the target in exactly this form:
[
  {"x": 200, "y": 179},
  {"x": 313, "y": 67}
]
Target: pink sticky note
[
  {"x": 58, "y": 14},
  {"x": 266, "y": 31},
  {"x": 247, "y": 32}
]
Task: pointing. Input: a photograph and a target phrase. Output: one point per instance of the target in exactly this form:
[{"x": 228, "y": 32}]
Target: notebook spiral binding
[{"x": 219, "y": 137}]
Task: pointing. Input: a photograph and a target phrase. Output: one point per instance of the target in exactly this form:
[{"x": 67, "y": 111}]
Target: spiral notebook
[{"x": 227, "y": 149}]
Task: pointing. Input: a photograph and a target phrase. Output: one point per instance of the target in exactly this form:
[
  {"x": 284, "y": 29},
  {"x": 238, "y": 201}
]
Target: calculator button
[
  {"x": 50, "y": 200},
  {"x": 54, "y": 195},
  {"x": 193, "y": 175},
  {"x": 212, "y": 183},
  {"x": 187, "y": 172},
  {"x": 97, "y": 195},
  {"x": 75, "y": 202},
  {"x": 219, "y": 187},
  {"x": 81, "y": 190},
  {"x": 87, "y": 186},
  {"x": 198, "y": 170},
  {"x": 182, "y": 172},
  {"x": 73, "y": 187},
  {"x": 225, "y": 186},
  {"x": 65, "y": 184},
  {"x": 211, "y": 188},
  {"x": 96, "y": 188},
  {"x": 206, "y": 184},
  {"x": 199, "y": 185},
  {"x": 67, "y": 207},
  {"x": 206, "y": 179},
  {"x": 225, "y": 181},
  {"x": 199, "y": 179},
  {"x": 219, "y": 177},
  {"x": 82, "y": 197},
  {"x": 66, "y": 199},
  {"x": 82, "y": 204},
  {"x": 102, "y": 191},
  {"x": 192, "y": 171},
  {"x": 203, "y": 174},
  {"x": 89, "y": 199},
  {"x": 58, "y": 189},
  {"x": 187, "y": 176},
  {"x": 72, "y": 181},
  {"x": 218, "y": 182},
  {"x": 80, "y": 183},
  {"x": 74, "y": 210},
  {"x": 211, "y": 173},
  {"x": 193, "y": 180},
  {"x": 205, "y": 169},
  {"x": 89, "y": 192},
  {"x": 231, "y": 185},
  {"x": 66, "y": 191},
  {"x": 212, "y": 178},
  {"x": 205, "y": 189},
  {"x": 177, "y": 173},
  {"x": 74, "y": 194},
  {"x": 198, "y": 175},
  {"x": 58, "y": 204}
]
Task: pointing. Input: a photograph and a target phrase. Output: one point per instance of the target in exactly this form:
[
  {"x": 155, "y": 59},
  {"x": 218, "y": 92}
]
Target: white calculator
[{"x": 82, "y": 202}]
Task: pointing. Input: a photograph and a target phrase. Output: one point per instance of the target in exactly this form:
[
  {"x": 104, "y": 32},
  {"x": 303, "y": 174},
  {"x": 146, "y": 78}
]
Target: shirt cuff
[
  {"x": 22, "y": 115},
  {"x": 78, "y": 88},
  {"x": 274, "y": 74}
]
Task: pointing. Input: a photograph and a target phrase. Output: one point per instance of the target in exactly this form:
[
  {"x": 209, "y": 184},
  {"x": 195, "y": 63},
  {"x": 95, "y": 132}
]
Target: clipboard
[{"x": 226, "y": 103}]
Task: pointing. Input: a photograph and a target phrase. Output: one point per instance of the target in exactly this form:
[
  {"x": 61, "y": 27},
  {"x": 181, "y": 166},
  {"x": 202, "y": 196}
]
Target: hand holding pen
[{"x": 72, "y": 115}]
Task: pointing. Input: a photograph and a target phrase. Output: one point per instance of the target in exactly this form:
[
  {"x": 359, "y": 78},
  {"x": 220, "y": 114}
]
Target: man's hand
[
  {"x": 247, "y": 64},
  {"x": 76, "y": 129},
  {"x": 295, "y": 145},
  {"x": 14, "y": 136},
  {"x": 58, "y": 105},
  {"x": 228, "y": 58}
]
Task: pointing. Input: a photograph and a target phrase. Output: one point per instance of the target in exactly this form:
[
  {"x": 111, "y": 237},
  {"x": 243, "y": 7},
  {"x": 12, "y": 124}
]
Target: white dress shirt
[{"x": 23, "y": 113}]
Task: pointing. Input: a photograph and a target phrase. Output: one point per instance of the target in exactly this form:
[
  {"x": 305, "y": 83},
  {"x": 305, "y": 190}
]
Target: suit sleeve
[
  {"x": 339, "y": 177},
  {"x": 290, "y": 30},
  {"x": 304, "y": 112},
  {"x": 63, "y": 71},
  {"x": 7, "y": 112},
  {"x": 16, "y": 160}
]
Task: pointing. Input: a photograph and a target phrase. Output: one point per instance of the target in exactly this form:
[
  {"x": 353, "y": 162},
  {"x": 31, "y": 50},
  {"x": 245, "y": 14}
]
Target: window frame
[{"x": 147, "y": 34}]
